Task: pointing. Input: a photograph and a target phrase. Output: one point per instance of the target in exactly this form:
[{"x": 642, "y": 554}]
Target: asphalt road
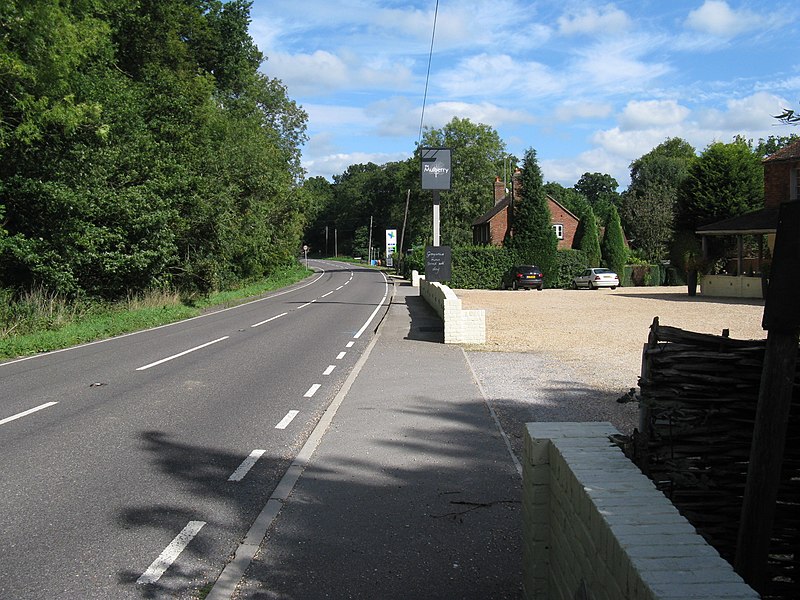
[{"x": 131, "y": 468}]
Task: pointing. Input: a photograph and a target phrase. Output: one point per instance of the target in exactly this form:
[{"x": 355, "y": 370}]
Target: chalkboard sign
[
  {"x": 437, "y": 263},
  {"x": 781, "y": 312}
]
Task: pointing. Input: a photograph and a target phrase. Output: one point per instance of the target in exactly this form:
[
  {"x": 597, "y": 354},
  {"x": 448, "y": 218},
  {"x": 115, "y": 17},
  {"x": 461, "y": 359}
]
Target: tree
[
  {"x": 532, "y": 238},
  {"x": 477, "y": 157},
  {"x": 589, "y": 238},
  {"x": 615, "y": 254},
  {"x": 725, "y": 181},
  {"x": 600, "y": 190},
  {"x": 648, "y": 205}
]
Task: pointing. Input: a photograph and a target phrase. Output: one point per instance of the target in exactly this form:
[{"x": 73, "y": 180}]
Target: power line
[{"x": 428, "y": 75}]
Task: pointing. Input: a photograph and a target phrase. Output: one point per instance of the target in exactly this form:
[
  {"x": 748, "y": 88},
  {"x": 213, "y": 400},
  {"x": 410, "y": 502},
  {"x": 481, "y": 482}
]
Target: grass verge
[{"x": 134, "y": 314}]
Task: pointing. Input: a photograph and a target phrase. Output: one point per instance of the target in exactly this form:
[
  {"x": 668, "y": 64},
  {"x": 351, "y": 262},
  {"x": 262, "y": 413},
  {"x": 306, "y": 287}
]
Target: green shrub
[
  {"x": 568, "y": 265},
  {"x": 479, "y": 267}
]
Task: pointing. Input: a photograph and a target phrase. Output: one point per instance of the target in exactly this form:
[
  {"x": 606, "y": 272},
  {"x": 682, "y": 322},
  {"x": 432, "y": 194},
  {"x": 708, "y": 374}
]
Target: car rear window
[{"x": 529, "y": 270}]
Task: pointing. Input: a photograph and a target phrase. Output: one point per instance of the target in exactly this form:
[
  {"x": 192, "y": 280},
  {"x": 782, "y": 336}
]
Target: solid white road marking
[
  {"x": 270, "y": 319},
  {"x": 329, "y": 370},
  {"x": 312, "y": 390},
  {"x": 171, "y": 552},
  {"x": 246, "y": 465},
  {"x": 27, "y": 412},
  {"x": 287, "y": 419},
  {"x": 340, "y": 356},
  {"x": 377, "y": 308},
  {"x": 163, "y": 360}
]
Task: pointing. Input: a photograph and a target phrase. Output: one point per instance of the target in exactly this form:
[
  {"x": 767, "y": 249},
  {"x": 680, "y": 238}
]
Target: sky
[{"x": 591, "y": 86}]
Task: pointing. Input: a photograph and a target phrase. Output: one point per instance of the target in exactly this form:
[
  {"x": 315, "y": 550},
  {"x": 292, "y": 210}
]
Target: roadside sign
[
  {"x": 437, "y": 263},
  {"x": 435, "y": 168}
]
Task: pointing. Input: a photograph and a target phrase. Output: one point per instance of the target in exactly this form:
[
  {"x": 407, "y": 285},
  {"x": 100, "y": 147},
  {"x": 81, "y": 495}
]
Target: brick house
[{"x": 491, "y": 227}]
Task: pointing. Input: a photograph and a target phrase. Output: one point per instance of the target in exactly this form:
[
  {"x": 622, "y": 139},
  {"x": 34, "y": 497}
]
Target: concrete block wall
[
  {"x": 595, "y": 528},
  {"x": 460, "y": 326}
]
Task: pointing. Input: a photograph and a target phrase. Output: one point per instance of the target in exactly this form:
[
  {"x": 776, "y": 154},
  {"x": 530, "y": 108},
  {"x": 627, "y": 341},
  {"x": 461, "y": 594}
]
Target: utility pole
[{"x": 369, "y": 244}]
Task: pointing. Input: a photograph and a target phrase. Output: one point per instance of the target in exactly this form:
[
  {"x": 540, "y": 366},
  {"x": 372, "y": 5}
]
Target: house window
[
  {"x": 559, "y": 230},
  {"x": 794, "y": 190}
]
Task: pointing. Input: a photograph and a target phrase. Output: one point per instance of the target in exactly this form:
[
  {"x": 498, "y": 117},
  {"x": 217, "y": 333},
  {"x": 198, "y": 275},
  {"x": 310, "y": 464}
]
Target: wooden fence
[{"x": 698, "y": 404}]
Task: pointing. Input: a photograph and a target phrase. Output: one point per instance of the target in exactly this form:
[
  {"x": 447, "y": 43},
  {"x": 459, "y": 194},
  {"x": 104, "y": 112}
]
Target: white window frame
[{"x": 559, "y": 228}]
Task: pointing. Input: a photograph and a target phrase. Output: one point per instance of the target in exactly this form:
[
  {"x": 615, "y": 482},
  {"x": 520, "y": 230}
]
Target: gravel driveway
[{"x": 568, "y": 355}]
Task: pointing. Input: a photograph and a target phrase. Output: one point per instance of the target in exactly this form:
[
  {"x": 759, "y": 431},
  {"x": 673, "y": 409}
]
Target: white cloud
[
  {"x": 616, "y": 65},
  {"x": 499, "y": 75},
  {"x": 608, "y": 20},
  {"x": 328, "y": 165},
  {"x": 573, "y": 110},
  {"x": 717, "y": 18},
  {"x": 652, "y": 113},
  {"x": 487, "y": 113}
]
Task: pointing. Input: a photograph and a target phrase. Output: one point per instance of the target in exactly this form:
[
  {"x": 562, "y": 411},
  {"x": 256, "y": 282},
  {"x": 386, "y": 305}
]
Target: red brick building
[
  {"x": 782, "y": 176},
  {"x": 491, "y": 227}
]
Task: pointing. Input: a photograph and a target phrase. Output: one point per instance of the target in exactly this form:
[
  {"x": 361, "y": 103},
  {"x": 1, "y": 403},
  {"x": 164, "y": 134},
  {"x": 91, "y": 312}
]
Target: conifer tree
[
  {"x": 590, "y": 238},
  {"x": 533, "y": 239},
  {"x": 615, "y": 254}
]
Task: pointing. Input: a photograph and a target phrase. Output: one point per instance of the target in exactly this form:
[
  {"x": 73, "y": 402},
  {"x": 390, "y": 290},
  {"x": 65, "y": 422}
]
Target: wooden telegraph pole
[{"x": 782, "y": 322}]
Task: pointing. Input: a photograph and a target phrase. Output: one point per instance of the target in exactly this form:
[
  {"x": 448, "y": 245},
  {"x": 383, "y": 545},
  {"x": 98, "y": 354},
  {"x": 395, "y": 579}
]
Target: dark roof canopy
[
  {"x": 790, "y": 152},
  {"x": 758, "y": 221}
]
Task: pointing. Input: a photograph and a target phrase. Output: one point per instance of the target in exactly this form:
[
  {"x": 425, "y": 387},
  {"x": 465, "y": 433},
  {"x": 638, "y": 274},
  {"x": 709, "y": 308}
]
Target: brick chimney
[{"x": 499, "y": 190}]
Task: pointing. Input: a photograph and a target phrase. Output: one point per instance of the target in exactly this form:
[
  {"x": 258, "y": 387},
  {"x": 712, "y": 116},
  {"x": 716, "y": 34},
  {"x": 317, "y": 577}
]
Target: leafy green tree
[
  {"x": 568, "y": 197},
  {"x": 725, "y": 181},
  {"x": 648, "y": 205},
  {"x": 772, "y": 144},
  {"x": 615, "y": 253},
  {"x": 532, "y": 238},
  {"x": 478, "y": 155},
  {"x": 600, "y": 189}
]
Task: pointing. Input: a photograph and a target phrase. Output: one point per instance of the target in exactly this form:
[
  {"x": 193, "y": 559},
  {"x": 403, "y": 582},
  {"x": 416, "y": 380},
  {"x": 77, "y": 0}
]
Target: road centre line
[
  {"x": 329, "y": 370},
  {"x": 340, "y": 287},
  {"x": 306, "y": 304},
  {"x": 246, "y": 465},
  {"x": 270, "y": 319},
  {"x": 174, "y": 356},
  {"x": 171, "y": 552},
  {"x": 287, "y": 419},
  {"x": 312, "y": 390},
  {"x": 326, "y": 295},
  {"x": 350, "y": 344},
  {"x": 25, "y": 413},
  {"x": 341, "y": 355}
]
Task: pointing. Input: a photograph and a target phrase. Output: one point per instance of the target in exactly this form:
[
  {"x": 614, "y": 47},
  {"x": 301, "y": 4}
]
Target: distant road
[{"x": 131, "y": 468}]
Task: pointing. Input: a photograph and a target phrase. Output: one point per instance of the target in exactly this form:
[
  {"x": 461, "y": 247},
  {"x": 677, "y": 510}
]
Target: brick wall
[
  {"x": 777, "y": 177},
  {"x": 595, "y": 528},
  {"x": 559, "y": 215},
  {"x": 460, "y": 326}
]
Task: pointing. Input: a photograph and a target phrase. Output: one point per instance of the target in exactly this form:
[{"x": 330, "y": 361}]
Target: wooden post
[{"x": 782, "y": 321}]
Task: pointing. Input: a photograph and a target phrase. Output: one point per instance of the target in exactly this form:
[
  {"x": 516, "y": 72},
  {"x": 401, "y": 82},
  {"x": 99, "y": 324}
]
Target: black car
[{"x": 523, "y": 276}]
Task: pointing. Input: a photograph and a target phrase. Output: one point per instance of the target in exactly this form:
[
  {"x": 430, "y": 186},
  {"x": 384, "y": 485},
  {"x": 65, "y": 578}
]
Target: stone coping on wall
[{"x": 595, "y": 528}]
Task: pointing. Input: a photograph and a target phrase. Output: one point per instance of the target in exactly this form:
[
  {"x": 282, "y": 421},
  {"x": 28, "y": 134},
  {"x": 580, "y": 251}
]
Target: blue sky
[{"x": 590, "y": 85}]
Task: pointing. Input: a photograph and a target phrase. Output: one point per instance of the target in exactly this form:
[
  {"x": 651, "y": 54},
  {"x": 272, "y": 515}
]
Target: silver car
[{"x": 596, "y": 278}]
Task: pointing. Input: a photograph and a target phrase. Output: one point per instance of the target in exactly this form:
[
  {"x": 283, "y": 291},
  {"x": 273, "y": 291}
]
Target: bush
[
  {"x": 643, "y": 275},
  {"x": 568, "y": 265},
  {"x": 479, "y": 267}
]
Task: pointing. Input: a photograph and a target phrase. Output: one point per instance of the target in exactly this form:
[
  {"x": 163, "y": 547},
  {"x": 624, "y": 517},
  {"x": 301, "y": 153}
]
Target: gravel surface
[{"x": 568, "y": 355}]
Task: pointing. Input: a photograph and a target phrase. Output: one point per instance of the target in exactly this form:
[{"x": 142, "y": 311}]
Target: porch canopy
[{"x": 757, "y": 222}]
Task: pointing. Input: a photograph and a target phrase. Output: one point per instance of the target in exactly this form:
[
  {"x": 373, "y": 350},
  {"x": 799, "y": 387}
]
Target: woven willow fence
[{"x": 698, "y": 405}]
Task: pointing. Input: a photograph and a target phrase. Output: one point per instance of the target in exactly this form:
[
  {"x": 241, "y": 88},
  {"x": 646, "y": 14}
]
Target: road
[{"x": 133, "y": 467}]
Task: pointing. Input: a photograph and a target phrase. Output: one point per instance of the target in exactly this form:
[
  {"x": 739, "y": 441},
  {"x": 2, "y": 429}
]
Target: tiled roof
[
  {"x": 790, "y": 152},
  {"x": 758, "y": 221}
]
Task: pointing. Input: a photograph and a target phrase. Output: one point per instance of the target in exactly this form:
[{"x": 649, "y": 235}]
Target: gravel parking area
[{"x": 568, "y": 355}]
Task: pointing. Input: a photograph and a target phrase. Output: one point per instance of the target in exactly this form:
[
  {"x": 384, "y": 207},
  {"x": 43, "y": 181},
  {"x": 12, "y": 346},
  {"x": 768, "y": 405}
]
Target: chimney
[
  {"x": 499, "y": 190},
  {"x": 516, "y": 184}
]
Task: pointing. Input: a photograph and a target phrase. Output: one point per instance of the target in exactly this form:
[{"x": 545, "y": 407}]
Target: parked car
[
  {"x": 522, "y": 276},
  {"x": 596, "y": 278}
]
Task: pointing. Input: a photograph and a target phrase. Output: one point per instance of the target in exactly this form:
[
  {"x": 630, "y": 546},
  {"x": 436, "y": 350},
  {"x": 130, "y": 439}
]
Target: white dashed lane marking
[
  {"x": 312, "y": 390},
  {"x": 171, "y": 553},
  {"x": 287, "y": 419},
  {"x": 246, "y": 465},
  {"x": 329, "y": 370}
]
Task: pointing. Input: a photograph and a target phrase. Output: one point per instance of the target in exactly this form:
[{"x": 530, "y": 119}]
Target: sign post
[
  {"x": 391, "y": 246},
  {"x": 435, "y": 172}
]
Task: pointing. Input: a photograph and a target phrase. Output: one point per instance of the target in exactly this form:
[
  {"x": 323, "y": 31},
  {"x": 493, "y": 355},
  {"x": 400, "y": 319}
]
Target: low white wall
[
  {"x": 595, "y": 528},
  {"x": 730, "y": 286},
  {"x": 460, "y": 326}
]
